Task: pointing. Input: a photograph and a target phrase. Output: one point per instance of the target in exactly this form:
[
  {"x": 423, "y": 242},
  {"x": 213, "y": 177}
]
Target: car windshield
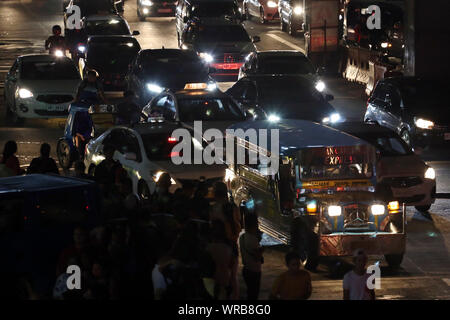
[
  {"x": 276, "y": 90},
  {"x": 111, "y": 56},
  {"x": 215, "y": 9},
  {"x": 209, "y": 109},
  {"x": 157, "y": 146},
  {"x": 222, "y": 33},
  {"x": 285, "y": 65},
  {"x": 49, "y": 70},
  {"x": 336, "y": 163},
  {"x": 107, "y": 27},
  {"x": 173, "y": 62}
]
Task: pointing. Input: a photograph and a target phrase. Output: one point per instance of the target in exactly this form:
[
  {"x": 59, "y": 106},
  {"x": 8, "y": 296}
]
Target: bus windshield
[{"x": 328, "y": 163}]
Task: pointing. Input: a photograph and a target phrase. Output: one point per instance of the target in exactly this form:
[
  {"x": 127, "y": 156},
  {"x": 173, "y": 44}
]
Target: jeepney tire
[
  {"x": 394, "y": 260},
  {"x": 64, "y": 161},
  {"x": 423, "y": 209}
]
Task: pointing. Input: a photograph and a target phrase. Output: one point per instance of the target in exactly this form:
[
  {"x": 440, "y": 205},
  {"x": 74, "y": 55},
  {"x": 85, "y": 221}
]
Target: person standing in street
[
  {"x": 43, "y": 164},
  {"x": 252, "y": 256},
  {"x": 355, "y": 281},
  {"x": 294, "y": 284},
  {"x": 9, "y": 164}
]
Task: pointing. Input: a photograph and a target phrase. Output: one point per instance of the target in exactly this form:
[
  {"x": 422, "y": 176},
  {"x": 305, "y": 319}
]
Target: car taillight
[{"x": 172, "y": 139}]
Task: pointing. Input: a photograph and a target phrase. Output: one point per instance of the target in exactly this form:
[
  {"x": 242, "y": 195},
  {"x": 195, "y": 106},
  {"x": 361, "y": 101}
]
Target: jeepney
[{"x": 323, "y": 199}]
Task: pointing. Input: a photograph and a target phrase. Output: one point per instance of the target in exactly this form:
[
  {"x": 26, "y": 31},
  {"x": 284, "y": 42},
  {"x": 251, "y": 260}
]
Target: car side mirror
[
  {"x": 256, "y": 39},
  {"x": 130, "y": 156},
  {"x": 329, "y": 97},
  {"x": 185, "y": 19},
  {"x": 136, "y": 33}
]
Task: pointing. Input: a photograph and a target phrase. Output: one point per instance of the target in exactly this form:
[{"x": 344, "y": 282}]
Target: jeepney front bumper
[{"x": 379, "y": 243}]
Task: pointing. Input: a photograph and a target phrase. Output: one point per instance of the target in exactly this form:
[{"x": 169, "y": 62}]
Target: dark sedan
[
  {"x": 111, "y": 57},
  {"x": 156, "y": 70},
  {"x": 414, "y": 108},
  {"x": 288, "y": 97}
]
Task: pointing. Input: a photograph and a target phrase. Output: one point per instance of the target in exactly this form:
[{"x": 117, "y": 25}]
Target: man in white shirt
[{"x": 355, "y": 281}]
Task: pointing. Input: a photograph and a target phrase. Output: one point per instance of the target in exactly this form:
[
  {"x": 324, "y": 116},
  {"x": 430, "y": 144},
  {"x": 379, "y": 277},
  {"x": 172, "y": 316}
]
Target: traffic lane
[{"x": 424, "y": 273}]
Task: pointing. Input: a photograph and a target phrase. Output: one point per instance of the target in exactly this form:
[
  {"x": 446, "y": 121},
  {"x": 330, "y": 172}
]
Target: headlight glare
[
  {"x": 298, "y": 10},
  {"x": 320, "y": 86},
  {"x": 146, "y": 3},
  {"x": 393, "y": 206},
  {"x": 25, "y": 93},
  {"x": 377, "y": 209},
  {"x": 154, "y": 88},
  {"x": 207, "y": 57},
  {"x": 423, "y": 123},
  {"x": 430, "y": 174},
  {"x": 334, "y": 211},
  {"x": 273, "y": 118},
  {"x": 272, "y": 4},
  {"x": 311, "y": 207}
]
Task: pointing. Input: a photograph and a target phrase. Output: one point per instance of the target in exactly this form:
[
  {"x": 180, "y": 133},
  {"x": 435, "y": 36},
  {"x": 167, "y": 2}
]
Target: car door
[
  {"x": 393, "y": 110},
  {"x": 377, "y": 104},
  {"x": 11, "y": 83}
]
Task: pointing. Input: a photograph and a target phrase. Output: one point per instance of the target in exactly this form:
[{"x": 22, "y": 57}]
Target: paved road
[{"x": 425, "y": 272}]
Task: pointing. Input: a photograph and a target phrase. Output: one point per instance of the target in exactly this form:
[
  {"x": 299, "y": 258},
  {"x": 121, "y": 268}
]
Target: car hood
[
  {"x": 293, "y": 110},
  {"x": 220, "y": 125},
  {"x": 217, "y": 48},
  {"x": 50, "y": 86},
  {"x": 401, "y": 166}
]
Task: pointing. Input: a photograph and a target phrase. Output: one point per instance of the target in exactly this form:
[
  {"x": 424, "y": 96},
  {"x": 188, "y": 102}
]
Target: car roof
[
  {"x": 100, "y": 17},
  {"x": 278, "y": 53},
  {"x": 42, "y": 57},
  {"x": 356, "y": 128},
  {"x": 299, "y": 134},
  {"x": 39, "y": 182},
  {"x": 200, "y": 94},
  {"x": 155, "y": 128}
]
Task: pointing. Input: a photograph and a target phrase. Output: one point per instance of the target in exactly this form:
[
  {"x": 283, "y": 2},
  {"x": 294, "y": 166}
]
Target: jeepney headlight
[
  {"x": 206, "y": 57},
  {"x": 271, "y": 4},
  {"x": 377, "y": 209},
  {"x": 430, "y": 174},
  {"x": 334, "y": 211},
  {"x": 146, "y": 3},
  {"x": 393, "y": 206},
  {"x": 298, "y": 10}
]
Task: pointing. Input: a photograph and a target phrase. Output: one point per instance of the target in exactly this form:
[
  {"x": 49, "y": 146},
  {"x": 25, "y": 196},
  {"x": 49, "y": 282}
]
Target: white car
[
  {"x": 145, "y": 152},
  {"x": 40, "y": 86}
]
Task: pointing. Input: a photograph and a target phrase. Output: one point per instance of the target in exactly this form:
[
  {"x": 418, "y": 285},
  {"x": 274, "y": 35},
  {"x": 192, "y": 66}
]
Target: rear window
[
  {"x": 107, "y": 27},
  {"x": 112, "y": 56},
  {"x": 49, "y": 70},
  {"x": 221, "y": 33},
  {"x": 285, "y": 65},
  {"x": 213, "y": 109},
  {"x": 215, "y": 9}
]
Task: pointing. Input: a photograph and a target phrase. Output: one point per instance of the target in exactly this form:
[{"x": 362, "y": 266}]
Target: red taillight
[{"x": 172, "y": 140}]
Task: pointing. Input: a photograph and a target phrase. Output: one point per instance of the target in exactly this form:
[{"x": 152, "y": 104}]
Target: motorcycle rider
[{"x": 55, "y": 41}]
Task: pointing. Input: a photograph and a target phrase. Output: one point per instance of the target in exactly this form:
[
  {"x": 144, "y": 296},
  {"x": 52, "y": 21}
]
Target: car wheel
[
  {"x": 394, "y": 260},
  {"x": 282, "y": 25},
  {"x": 423, "y": 209},
  {"x": 65, "y": 155},
  {"x": 406, "y": 137},
  {"x": 143, "y": 191},
  {"x": 261, "y": 16}
]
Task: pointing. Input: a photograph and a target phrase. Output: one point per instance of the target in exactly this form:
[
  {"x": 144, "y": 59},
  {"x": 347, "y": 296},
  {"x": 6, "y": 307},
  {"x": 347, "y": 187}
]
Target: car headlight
[
  {"x": 207, "y": 57},
  {"x": 377, "y": 209},
  {"x": 272, "y": 4},
  {"x": 82, "y": 49},
  {"x": 430, "y": 174},
  {"x": 211, "y": 86},
  {"x": 334, "y": 211},
  {"x": 298, "y": 10},
  {"x": 59, "y": 53},
  {"x": 25, "y": 93},
  {"x": 320, "y": 86},
  {"x": 333, "y": 118},
  {"x": 146, "y": 3},
  {"x": 423, "y": 124},
  {"x": 273, "y": 118},
  {"x": 154, "y": 88}
]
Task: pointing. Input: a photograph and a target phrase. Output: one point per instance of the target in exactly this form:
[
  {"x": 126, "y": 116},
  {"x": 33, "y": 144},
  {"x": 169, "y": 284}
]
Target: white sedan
[
  {"x": 145, "y": 152},
  {"x": 40, "y": 86}
]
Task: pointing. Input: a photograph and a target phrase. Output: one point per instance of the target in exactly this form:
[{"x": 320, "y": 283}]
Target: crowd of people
[{"x": 168, "y": 246}]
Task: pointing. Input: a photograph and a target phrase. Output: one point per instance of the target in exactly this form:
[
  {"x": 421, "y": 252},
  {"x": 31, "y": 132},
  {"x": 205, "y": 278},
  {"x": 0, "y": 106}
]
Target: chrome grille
[{"x": 356, "y": 217}]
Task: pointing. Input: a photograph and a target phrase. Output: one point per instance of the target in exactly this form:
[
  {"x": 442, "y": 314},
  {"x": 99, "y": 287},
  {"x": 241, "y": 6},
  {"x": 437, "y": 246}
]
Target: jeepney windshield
[{"x": 325, "y": 163}]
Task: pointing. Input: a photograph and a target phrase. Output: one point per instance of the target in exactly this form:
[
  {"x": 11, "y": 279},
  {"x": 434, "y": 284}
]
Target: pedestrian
[
  {"x": 108, "y": 172},
  {"x": 162, "y": 199},
  {"x": 44, "y": 163},
  {"x": 252, "y": 256},
  {"x": 9, "y": 164},
  {"x": 128, "y": 112},
  {"x": 293, "y": 284},
  {"x": 355, "y": 281}
]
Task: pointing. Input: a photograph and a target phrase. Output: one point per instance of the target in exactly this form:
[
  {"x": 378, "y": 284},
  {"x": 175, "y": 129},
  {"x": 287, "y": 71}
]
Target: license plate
[
  {"x": 447, "y": 136},
  {"x": 164, "y": 10},
  {"x": 57, "y": 108}
]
